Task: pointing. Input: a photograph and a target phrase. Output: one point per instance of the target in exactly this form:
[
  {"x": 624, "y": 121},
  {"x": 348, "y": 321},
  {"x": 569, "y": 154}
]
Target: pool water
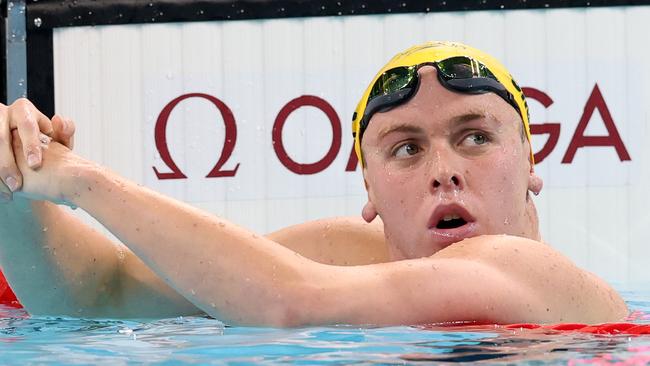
[{"x": 202, "y": 340}]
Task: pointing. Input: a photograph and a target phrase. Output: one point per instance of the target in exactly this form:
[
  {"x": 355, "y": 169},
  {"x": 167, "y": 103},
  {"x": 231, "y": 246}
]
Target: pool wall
[{"x": 253, "y": 103}]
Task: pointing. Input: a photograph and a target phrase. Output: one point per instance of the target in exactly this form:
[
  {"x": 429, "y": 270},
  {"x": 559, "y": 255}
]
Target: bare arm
[
  {"x": 234, "y": 275},
  {"x": 56, "y": 263}
]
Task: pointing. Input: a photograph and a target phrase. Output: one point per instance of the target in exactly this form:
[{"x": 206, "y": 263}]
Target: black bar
[
  {"x": 3, "y": 52},
  {"x": 48, "y": 14},
  {"x": 40, "y": 70}
]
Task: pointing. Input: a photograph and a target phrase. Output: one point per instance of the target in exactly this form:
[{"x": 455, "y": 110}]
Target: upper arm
[
  {"x": 496, "y": 279},
  {"x": 142, "y": 293},
  {"x": 105, "y": 277},
  {"x": 423, "y": 291}
]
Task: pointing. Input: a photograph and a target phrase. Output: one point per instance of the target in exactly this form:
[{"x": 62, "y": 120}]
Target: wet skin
[{"x": 448, "y": 155}]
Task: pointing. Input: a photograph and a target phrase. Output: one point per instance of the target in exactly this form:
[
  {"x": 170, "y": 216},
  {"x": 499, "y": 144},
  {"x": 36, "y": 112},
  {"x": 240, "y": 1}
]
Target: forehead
[{"x": 433, "y": 105}]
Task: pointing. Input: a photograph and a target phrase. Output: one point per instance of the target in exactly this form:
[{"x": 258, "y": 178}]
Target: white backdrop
[{"x": 116, "y": 80}]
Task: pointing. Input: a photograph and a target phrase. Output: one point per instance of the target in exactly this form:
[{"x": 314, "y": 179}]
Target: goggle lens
[
  {"x": 393, "y": 81},
  {"x": 463, "y": 68}
]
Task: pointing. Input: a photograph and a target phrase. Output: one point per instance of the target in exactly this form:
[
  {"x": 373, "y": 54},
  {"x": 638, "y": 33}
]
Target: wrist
[{"x": 79, "y": 180}]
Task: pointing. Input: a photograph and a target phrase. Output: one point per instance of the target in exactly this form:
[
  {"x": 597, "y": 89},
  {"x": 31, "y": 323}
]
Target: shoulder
[
  {"x": 505, "y": 250},
  {"x": 336, "y": 240},
  {"x": 564, "y": 291}
]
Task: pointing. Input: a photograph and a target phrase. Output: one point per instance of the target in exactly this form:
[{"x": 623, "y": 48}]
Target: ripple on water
[{"x": 25, "y": 339}]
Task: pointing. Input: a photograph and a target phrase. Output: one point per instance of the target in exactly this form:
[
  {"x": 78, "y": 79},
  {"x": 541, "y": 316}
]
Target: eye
[
  {"x": 406, "y": 150},
  {"x": 477, "y": 138}
]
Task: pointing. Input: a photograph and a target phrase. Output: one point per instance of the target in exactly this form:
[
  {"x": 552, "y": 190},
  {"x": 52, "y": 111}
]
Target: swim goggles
[{"x": 460, "y": 68}]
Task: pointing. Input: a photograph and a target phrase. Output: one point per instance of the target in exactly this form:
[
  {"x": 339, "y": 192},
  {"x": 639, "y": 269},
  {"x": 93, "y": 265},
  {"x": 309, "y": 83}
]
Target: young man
[{"x": 442, "y": 135}]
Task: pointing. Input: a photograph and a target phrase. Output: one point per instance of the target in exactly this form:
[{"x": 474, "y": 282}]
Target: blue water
[{"x": 201, "y": 340}]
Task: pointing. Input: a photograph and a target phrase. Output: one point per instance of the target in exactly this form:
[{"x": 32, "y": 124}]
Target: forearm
[
  {"x": 223, "y": 269},
  {"x": 59, "y": 265},
  {"x": 52, "y": 267}
]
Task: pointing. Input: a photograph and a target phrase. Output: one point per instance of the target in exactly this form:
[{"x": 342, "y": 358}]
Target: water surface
[{"x": 48, "y": 340}]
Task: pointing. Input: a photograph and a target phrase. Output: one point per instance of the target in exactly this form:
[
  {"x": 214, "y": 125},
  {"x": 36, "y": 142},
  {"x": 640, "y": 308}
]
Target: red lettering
[
  {"x": 353, "y": 161},
  {"x": 278, "y": 144},
  {"x": 552, "y": 129},
  {"x": 228, "y": 146},
  {"x": 596, "y": 101}
]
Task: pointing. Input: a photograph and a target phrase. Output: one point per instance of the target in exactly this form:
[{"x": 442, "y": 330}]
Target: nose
[
  {"x": 445, "y": 174},
  {"x": 453, "y": 182}
]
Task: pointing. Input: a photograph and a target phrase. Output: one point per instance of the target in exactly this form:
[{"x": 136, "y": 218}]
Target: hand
[
  {"x": 60, "y": 167},
  {"x": 29, "y": 122}
]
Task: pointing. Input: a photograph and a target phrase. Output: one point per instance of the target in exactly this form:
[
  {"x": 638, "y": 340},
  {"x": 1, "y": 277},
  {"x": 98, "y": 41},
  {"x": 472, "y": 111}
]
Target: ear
[
  {"x": 535, "y": 183},
  {"x": 369, "y": 212}
]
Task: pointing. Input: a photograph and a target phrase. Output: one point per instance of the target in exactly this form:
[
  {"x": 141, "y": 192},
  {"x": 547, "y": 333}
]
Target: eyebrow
[
  {"x": 468, "y": 117},
  {"x": 404, "y": 128},
  {"x": 408, "y": 128}
]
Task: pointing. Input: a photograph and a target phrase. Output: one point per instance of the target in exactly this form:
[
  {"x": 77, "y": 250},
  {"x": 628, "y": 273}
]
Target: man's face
[{"x": 446, "y": 166}]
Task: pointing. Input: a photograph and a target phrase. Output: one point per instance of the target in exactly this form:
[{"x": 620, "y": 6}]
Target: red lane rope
[
  {"x": 607, "y": 328},
  {"x": 7, "y": 296}
]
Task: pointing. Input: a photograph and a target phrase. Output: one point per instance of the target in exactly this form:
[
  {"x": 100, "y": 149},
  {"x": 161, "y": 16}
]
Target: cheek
[
  {"x": 501, "y": 180},
  {"x": 395, "y": 193}
]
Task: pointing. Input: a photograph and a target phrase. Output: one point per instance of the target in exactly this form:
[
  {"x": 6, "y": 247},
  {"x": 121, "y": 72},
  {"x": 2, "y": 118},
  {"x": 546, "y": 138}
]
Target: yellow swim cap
[{"x": 479, "y": 73}]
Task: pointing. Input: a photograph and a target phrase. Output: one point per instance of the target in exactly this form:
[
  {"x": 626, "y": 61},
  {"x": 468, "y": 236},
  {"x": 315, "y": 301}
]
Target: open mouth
[
  {"x": 450, "y": 217},
  {"x": 451, "y": 222}
]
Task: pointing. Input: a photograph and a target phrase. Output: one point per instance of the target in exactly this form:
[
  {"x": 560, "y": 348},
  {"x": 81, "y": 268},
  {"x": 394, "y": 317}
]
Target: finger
[
  {"x": 28, "y": 131},
  {"x": 17, "y": 145},
  {"x": 9, "y": 173},
  {"x": 64, "y": 130},
  {"x": 71, "y": 130},
  {"x": 58, "y": 125},
  {"x": 24, "y": 109}
]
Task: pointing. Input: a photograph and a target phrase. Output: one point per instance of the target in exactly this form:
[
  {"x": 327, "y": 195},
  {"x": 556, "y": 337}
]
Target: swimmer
[{"x": 442, "y": 135}]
